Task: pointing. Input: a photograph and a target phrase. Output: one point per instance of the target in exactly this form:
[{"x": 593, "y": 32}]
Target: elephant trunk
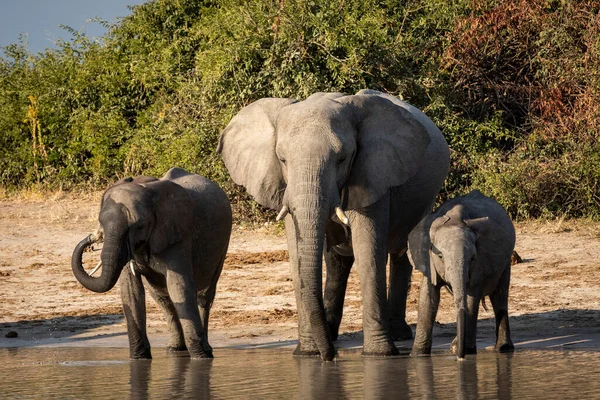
[
  {"x": 459, "y": 289},
  {"x": 310, "y": 224},
  {"x": 114, "y": 256}
]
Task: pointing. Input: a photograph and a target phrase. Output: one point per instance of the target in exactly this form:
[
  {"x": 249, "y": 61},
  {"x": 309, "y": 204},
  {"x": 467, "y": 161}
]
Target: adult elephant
[
  {"x": 360, "y": 171},
  {"x": 174, "y": 233}
]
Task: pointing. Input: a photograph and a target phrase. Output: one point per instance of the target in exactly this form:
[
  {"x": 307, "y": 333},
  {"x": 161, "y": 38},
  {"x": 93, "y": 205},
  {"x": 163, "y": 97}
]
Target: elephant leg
[
  {"x": 134, "y": 308},
  {"x": 473, "y": 303},
  {"x": 338, "y": 270},
  {"x": 429, "y": 301},
  {"x": 182, "y": 291},
  {"x": 205, "y": 301},
  {"x": 306, "y": 345},
  {"x": 499, "y": 300},
  {"x": 400, "y": 274},
  {"x": 369, "y": 241},
  {"x": 176, "y": 339}
]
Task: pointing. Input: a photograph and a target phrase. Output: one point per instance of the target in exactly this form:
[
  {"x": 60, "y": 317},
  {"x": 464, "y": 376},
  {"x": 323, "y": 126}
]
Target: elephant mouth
[
  {"x": 339, "y": 216},
  {"x": 88, "y": 245}
]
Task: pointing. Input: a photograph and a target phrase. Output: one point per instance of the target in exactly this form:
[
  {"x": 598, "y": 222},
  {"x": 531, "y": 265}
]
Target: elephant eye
[
  {"x": 473, "y": 258},
  {"x": 437, "y": 252},
  {"x": 341, "y": 160},
  {"x": 282, "y": 160}
]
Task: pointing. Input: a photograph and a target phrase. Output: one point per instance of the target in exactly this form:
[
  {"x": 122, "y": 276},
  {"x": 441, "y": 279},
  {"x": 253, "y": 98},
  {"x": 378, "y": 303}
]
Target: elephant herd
[{"x": 355, "y": 178}]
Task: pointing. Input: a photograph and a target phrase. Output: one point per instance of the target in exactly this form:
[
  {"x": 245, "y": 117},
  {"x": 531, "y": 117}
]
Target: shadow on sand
[
  {"x": 551, "y": 329},
  {"x": 58, "y": 330}
]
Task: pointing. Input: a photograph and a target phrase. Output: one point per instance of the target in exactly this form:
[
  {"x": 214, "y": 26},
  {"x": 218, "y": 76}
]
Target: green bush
[{"x": 514, "y": 85}]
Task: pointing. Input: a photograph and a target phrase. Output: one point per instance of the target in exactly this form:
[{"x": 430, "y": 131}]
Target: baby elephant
[
  {"x": 173, "y": 234},
  {"x": 466, "y": 245}
]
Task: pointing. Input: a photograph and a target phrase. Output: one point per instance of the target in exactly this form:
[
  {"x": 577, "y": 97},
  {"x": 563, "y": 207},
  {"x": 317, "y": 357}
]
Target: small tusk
[
  {"x": 131, "y": 266},
  {"x": 341, "y": 215},
  {"x": 96, "y": 268},
  {"x": 284, "y": 211}
]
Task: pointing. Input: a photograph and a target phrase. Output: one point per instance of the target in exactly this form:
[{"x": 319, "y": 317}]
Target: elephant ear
[
  {"x": 419, "y": 243},
  {"x": 173, "y": 207},
  {"x": 247, "y": 146},
  {"x": 391, "y": 144},
  {"x": 493, "y": 241}
]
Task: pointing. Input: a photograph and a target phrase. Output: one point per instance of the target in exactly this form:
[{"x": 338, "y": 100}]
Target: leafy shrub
[{"x": 514, "y": 86}]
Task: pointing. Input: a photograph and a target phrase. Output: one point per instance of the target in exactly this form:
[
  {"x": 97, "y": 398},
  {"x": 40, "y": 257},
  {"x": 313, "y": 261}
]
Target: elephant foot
[
  {"x": 144, "y": 354},
  {"x": 301, "y": 351},
  {"x": 505, "y": 347},
  {"x": 401, "y": 330},
  {"x": 201, "y": 356},
  {"x": 420, "y": 351},
  {"x": 381, "y": 350},
  {"x": 176, "y": 348},
  {"x": 199, "y": 349}
]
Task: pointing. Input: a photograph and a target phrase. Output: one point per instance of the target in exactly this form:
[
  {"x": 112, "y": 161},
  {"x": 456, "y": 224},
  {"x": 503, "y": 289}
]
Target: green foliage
[{"x": 514, "y": 85}]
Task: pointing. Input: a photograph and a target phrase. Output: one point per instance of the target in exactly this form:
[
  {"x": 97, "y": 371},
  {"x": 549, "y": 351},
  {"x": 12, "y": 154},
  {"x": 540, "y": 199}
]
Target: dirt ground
[{"x": 554, "y": 295}]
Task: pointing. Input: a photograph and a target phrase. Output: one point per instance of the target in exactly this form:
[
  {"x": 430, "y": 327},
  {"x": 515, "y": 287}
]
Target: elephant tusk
[
  {"x": 284, "y": 211},
  {"x": 341, "y": 215},
  {"x": 96, "y": 268},
  {"x": 131, "y": 264}
]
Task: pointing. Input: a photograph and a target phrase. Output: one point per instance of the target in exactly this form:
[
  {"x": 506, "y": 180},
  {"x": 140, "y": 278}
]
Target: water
[{"x": 84, "y": 373}]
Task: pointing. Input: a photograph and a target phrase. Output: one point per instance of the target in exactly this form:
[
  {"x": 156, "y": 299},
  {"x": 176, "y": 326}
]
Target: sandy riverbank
[{"x": 554, "y": 300}]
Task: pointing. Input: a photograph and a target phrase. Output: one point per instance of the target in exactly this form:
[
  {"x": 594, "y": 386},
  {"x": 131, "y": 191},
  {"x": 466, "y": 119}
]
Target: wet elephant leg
[
  {"x": 181, "y": 287},
  {"x": 176, "y": 339},
  {"x": 369, "y": 241},
  {"x": 182, "y": 290},
  {"x": 429, "y": 300},
  {"x": 134, "y": 308},
  {"x": 338, "y": 270},
  {"x": 499, "y": 300},
  {"x": 306, "y": 344},
  {"x": 205, "y": 301},
  {"x": 471, "y": 325},
  {"x": 400, "y": 273}
]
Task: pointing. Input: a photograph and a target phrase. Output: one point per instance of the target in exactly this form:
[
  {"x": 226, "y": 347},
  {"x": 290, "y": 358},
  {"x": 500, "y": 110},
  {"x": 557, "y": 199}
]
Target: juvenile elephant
[
  {"x": 466, "y": 245},
  {"x": 173, "y": 232},
  {"x": 360, "y": 171}
]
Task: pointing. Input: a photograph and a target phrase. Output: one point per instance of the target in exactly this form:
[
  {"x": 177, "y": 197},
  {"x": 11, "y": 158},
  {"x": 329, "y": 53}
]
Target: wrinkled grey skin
[
  {"x": 380, "y": 159},
  {"x": 466, "y": 244},
  {"x": 177, "y": 230}
]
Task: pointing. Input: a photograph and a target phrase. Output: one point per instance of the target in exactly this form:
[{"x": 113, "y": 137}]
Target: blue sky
[{"x": 40, "y": 19}]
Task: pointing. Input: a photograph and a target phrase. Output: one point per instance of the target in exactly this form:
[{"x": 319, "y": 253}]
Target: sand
[{"x": 554, "y": 296}]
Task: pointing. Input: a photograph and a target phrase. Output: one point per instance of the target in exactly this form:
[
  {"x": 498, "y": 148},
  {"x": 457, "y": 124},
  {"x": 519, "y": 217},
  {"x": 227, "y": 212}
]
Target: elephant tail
[{"x": 483, "y": 303}]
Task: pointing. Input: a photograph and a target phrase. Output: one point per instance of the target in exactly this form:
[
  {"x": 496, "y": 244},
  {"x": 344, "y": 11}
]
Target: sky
[{"x": 40, "y": 19}]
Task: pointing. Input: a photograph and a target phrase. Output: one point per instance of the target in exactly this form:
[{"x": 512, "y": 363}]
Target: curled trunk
[{"x": 114, "y": 257}]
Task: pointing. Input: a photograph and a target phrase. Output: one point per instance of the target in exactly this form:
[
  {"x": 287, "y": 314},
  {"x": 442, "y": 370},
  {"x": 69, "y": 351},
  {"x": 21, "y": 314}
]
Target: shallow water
[{"x": 107, "y": 373}]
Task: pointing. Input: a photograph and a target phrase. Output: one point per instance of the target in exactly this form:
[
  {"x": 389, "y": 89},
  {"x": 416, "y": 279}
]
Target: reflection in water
[
  {"x": 100, "y": 372},
  {"x": 467, "y": 380},
  {"x": 424, "y": 370},
  {"x": 384, "y": 377},
  {"x": 471, "y": 378},
  {"x": 503, "y": 376},
  {"x": 184, "y": 378},
  {"x": 139, "y": 373},
  {"x": 319, "y": 380}
]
